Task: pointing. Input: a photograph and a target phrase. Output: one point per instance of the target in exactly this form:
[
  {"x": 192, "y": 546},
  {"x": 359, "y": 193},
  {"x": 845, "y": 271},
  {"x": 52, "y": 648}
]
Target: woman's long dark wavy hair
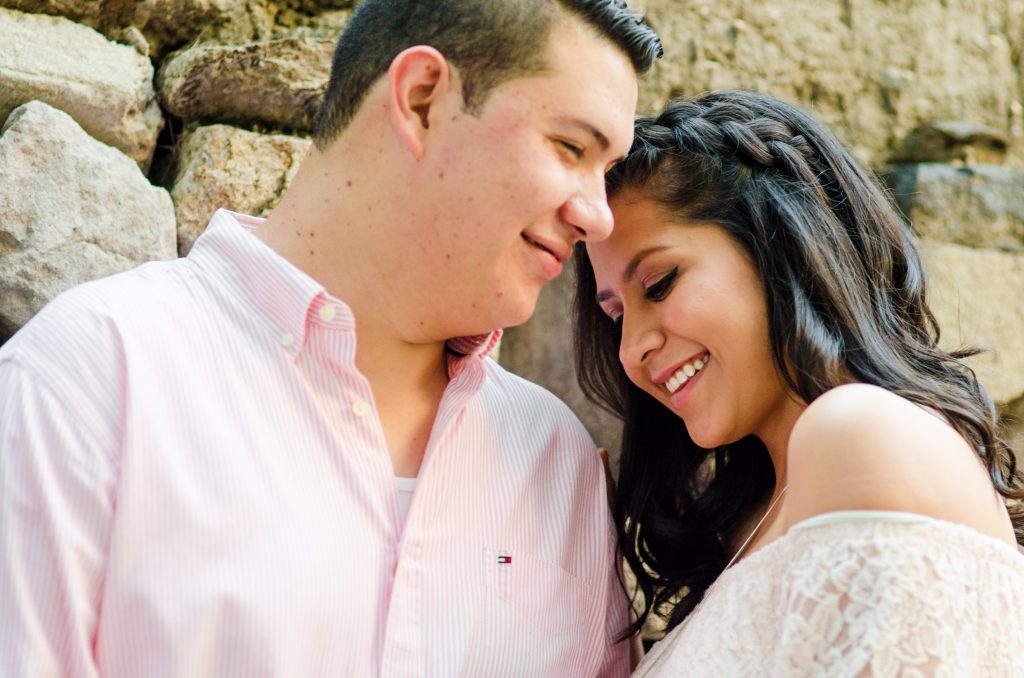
[{"x": 845, "y": 291}]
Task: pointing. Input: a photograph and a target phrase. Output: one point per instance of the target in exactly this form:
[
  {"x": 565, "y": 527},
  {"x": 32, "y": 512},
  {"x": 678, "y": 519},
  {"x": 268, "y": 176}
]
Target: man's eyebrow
[
  {"x": 630, "y": 270},
  {"x": 598, "y": 135}
]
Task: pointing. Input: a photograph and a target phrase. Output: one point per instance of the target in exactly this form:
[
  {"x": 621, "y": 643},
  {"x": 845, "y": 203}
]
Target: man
[{"x": 287, "y": 455}]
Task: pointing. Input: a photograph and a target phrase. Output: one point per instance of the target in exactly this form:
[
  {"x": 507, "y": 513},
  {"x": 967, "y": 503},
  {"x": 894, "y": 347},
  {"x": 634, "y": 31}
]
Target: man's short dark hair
[{"x": 488, "y": 41}]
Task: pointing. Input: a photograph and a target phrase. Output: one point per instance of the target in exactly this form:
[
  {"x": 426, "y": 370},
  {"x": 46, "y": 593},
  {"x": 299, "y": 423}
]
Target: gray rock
[
  {"x": 977, "y": 206},
  {"x": 71, "y": 210},
  {"x": 223, "y": 166},
  {"x": 107, "y": 88},
  {"x": 278, "y": 82},
  {"x": 976, "y": 297},
  {"x": 953, "y": 140}
]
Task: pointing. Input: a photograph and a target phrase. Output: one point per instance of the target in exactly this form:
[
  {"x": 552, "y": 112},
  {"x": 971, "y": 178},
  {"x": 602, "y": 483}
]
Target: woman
[{"x": 808, "y": 484}]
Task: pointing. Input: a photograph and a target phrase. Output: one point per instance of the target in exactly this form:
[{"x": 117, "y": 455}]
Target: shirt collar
[{"x": 285, "y": 293}]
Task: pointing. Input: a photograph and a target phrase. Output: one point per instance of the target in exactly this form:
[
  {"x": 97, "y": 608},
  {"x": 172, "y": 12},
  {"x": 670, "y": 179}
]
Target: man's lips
[{"x": 559, "y": 250}]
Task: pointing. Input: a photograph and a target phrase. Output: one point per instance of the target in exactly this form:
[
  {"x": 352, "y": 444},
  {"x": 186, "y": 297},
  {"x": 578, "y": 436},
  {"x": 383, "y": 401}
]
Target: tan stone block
[
  {"x": 106, "y": 87},
  {"x": 873, "y": 69},
  {"x": 73, "y": 210},
  {"x": 223, "y": 166},
  {"x": 977, "y": 296},
  {"x": 278, "y": 82}
]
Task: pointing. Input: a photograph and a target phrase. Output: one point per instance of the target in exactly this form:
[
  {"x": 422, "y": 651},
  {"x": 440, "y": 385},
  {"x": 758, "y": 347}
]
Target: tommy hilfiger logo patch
[{"x": 504, "y": 560}]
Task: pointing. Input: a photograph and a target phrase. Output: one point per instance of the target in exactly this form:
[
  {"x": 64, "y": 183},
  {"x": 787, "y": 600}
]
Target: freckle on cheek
[{"x": 349, "y": 183}]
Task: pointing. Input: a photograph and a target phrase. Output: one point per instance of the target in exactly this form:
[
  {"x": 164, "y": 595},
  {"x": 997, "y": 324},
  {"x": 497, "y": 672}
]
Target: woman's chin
[{"x": 704, "y": 438}]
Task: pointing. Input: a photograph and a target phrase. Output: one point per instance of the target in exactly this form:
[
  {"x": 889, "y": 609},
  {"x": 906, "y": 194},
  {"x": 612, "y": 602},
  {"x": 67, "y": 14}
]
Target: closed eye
[
  {"x": 573, "y": 149},
  {"x": 660, "y": 289}
]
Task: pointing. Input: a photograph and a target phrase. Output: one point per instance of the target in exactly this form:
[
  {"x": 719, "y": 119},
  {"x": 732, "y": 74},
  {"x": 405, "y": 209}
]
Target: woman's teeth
[{"x": 676, "y": 381}]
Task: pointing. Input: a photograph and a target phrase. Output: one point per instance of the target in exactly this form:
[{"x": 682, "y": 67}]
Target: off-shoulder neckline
[
  {"x": 821, "y": 521},
  {"x": 830, "y": 518}
]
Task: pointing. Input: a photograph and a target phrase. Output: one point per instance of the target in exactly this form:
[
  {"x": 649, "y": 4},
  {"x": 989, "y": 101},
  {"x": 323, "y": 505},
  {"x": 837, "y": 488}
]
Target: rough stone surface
[
  {"x": 167, "y": 24},
  {"x": 1012, "y": 420},
  {"x": 980, "y": 206},
  {"x": 976, "y": 296},
  {"x": 71, "y": 210},
  {"x": 954, "y": 141},
  {"x": 541, "y": 351},
  {"x": 223, "y": 166},
  {"x": 107, "y": 88},
  {"x": 163, "y": 25},
  {"x": 85, "y": 11},
  {"x": 278, "y": 82},
  {"x": 874, "y": 69}
]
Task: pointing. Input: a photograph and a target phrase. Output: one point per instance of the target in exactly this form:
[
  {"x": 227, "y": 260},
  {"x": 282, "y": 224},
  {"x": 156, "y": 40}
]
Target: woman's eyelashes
[
  {"x": 662, "y": 286},
  {"x": 656, "y": 291}
]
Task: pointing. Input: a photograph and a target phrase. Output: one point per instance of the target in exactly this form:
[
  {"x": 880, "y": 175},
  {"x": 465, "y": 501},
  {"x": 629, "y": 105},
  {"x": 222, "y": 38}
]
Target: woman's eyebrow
[{"x": 638, "y": 259}]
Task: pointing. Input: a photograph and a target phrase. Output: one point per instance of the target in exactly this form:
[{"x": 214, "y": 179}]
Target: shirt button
[
  {"x": 327, "y": 312},
  {"x": 360, "y": 408},
  {"x": 287, "y": 340}
]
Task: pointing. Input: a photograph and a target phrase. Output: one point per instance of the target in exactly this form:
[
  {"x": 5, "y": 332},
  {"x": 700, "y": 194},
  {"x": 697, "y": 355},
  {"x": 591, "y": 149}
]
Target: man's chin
[{"x": 520, "y": 313}]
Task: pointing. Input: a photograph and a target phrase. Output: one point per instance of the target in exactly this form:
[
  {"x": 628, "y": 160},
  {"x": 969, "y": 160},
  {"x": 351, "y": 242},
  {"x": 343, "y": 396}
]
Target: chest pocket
[{"x": 534, "y": 618}]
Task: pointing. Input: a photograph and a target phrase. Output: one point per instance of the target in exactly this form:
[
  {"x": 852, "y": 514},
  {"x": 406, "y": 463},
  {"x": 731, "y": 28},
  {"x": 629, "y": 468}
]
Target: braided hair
[{"x": 845, "y": 292}]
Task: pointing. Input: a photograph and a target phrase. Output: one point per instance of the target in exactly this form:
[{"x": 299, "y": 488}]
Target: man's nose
[{"x": 587, "y": 211}]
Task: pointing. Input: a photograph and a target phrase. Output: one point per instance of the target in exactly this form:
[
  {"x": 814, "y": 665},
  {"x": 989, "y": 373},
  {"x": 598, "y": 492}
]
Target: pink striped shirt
[{"x": 194, "y": 482}]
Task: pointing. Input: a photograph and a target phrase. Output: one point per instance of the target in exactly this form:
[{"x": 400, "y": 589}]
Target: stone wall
[{"x": 129, "y": 122}]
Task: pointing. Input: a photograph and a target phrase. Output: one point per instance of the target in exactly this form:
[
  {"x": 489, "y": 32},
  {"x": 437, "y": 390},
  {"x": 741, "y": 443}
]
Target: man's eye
[
  {"x": 662, "y": 287},
  {"x": 575, "y": 150}
]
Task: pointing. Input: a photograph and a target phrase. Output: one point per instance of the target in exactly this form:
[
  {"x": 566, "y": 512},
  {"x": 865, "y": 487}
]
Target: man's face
[{"x": 516, "y": 185}]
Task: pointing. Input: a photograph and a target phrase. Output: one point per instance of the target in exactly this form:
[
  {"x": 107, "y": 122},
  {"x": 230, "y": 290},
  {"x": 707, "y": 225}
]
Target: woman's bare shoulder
[{"x": 861, "y": 447}]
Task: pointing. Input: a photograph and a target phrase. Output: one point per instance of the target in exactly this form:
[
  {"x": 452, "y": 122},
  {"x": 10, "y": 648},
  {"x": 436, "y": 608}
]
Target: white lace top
[{"x": 858, "y": 593}]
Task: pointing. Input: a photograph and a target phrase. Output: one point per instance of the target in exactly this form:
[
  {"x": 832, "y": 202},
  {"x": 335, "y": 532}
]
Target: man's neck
[
  {"x": 408, "y": 377},
  {"x": 408, "y": 382}
]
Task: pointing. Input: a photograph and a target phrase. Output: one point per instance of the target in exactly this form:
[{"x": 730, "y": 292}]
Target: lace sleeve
[{"x": 899, "y": 599}]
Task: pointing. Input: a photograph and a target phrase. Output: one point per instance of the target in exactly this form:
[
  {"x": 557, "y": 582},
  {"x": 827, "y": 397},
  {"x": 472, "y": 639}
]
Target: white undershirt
[{"x": 405, "y": 487}]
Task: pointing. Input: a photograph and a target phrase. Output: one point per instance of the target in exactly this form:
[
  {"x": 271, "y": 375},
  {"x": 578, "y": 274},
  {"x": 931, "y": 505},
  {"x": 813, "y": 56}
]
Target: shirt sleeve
[{"x": 56, "y": 505}]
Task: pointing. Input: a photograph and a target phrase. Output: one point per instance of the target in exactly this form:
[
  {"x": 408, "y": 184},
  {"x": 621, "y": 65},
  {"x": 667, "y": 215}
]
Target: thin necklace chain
[
  {"x": 753, "y": 533},
  {"x": 651, "y": 663}
]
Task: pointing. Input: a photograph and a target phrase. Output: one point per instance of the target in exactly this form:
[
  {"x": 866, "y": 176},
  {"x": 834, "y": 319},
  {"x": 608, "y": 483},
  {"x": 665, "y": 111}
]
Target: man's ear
[{"x": 418, "y": 79}]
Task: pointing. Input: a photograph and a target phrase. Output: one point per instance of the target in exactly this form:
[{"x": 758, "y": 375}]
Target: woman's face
[{"x": 694, "y": 323}]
